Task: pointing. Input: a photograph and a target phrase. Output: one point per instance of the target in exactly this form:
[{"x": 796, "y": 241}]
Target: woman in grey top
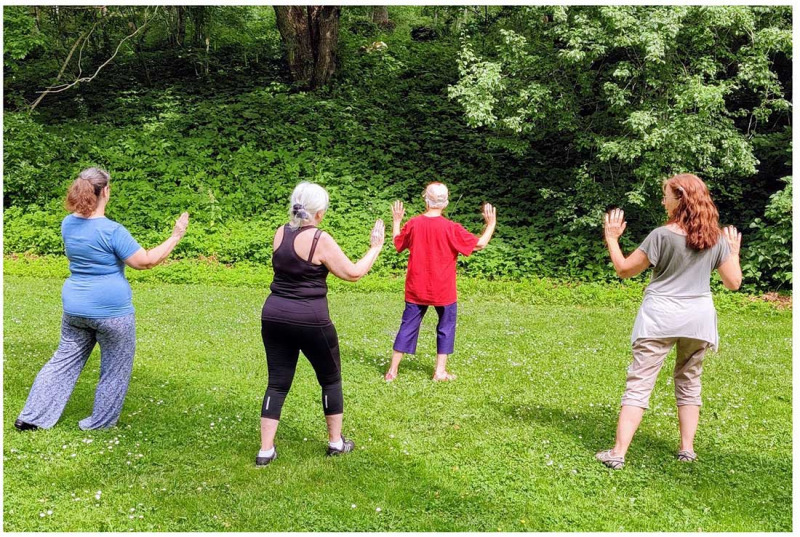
[{"x": 677, "y": 309}]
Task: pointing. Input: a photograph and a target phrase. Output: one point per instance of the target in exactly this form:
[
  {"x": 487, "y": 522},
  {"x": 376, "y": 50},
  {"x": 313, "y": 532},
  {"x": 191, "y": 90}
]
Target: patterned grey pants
[{"x": 56, "y": 380}]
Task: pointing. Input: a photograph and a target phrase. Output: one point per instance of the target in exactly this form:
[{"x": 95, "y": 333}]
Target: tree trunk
[
  {"x": 325, "y": 38},
  {"x": 180, "y": 26},
  {"x": 294, "y": 29},
  {"x": 311, "y": 35},
  {"x": 380, "y": 14},
  {"x": 199, "y": 16}
]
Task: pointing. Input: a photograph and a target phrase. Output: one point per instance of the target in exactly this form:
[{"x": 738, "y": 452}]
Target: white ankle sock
[
  {"x": 267, "y": 453},
  {"x": 337, "y": 445}
]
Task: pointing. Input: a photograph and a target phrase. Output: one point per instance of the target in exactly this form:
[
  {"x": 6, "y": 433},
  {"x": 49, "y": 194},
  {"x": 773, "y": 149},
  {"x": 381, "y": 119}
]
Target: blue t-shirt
[{"x": 96, "y": 248}]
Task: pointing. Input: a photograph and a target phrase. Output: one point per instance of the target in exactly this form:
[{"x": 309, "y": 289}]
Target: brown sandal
[{"x": 615, "y": 462}]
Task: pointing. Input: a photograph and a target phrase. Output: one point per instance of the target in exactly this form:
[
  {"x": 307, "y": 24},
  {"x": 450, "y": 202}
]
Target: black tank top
[{"x": 299, "y": 287}]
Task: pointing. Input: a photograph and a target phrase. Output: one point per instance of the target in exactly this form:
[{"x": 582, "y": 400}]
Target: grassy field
[{"x": 509, "y": 446}]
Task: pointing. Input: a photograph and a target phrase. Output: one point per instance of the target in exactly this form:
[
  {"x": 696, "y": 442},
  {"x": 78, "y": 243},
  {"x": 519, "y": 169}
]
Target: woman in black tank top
[
  {"x": 299, "y": 290},
  {"x": 295, "y": 315}
]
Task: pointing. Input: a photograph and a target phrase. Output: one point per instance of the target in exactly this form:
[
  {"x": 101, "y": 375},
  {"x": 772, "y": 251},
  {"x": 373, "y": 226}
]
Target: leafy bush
[
  {"x": 363, "y": 28},
  {"x": 230, "y": 147},
  {"x": 767, "y": 262}
]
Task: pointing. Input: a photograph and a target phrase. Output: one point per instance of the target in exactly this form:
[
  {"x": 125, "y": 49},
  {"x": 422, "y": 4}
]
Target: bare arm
[
  {"x": 147, "y": 259},
  {"x": 340, "y": 265},
  {"x": 490, "y": 216},
  {"x": 626, "y": 267},
  {"x": 730, "y": 271}
]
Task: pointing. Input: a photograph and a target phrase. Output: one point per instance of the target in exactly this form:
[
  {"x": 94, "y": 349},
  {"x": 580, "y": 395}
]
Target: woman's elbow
[
  {"x": 143, "y": 266},
  {"x": 353, "y": 275},
  {"x": 623, "y": 273},
  {"x": 733, "y": 285},
  {"x": 360, "y": 274}
]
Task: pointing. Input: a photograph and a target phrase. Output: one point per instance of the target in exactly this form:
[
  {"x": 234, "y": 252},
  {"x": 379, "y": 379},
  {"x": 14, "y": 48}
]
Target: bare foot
[
  {"x": 389, "y": 376},
  {"x": 442, "y": 377}
]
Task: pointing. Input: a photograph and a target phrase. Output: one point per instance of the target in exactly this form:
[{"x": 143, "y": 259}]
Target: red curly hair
[{"x": 696, "y": 213}]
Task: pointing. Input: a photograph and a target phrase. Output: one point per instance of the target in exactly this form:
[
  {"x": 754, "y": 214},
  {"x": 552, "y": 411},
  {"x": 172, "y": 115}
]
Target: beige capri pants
[{"x": 648, "y": 357}]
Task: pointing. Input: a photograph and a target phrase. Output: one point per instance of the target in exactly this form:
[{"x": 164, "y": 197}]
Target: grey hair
[
  {"x": 306, "y": 201},
  {"x": 436, "y": 196},
  {"x": 98, "y": 177}
]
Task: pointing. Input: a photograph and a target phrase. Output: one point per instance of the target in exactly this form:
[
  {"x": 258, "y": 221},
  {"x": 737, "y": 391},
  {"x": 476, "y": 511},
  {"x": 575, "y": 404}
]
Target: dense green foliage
[
  {"x": 508, "y": 446},
  {"x": 631, "y": 95},
  {"x": 221, "y": 133}
]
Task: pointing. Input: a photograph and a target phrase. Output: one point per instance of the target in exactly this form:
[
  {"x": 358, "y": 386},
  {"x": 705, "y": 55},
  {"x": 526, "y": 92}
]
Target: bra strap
[{"x": 314, "y": 244}]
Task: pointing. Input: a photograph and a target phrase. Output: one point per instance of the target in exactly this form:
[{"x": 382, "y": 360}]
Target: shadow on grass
[
  {"x": 761, "y": 482},
  {"x": 411, "y": 362},
  {"x": 594, "y": 430}
]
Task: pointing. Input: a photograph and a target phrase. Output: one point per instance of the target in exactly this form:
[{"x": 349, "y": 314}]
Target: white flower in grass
[
  {"x": 353, "y": 506},
  {"x": 41, "y": 515},
  {"x": 49, "y": 511},
  {"x": 377, "y": 509}
]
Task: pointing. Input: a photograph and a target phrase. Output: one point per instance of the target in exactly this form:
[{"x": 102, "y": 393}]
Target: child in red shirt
[{"x": 434, "y": 243}]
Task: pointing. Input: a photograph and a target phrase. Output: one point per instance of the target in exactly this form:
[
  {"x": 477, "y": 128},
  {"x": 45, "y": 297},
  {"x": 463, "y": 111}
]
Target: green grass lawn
[{"x": 508, "y": 446}]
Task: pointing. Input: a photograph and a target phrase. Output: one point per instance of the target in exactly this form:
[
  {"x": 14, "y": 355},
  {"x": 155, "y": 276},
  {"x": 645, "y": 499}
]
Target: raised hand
[
  {"x": 398, "y": 211},
  {"x": 615, "y": 224},
  {"x": 180, "y": 226},
  {"x": 377, "y": 235},
  {"x": 734, "y": 239},
  {"x": 490, "y": 214}
]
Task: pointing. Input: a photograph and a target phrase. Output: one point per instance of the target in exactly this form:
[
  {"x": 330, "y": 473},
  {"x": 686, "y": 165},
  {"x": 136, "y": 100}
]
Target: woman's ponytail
[
  {"x": 306, "y": 201},
  {"x": 83, "y": 195}
]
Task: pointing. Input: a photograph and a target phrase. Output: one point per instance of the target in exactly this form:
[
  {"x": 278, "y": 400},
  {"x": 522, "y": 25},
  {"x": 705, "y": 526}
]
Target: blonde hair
[
  {"x": 436, "y": 196},
  {"x": 307, "y": 200}
]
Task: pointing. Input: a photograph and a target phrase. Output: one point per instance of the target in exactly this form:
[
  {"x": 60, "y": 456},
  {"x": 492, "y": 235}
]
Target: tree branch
[
  {"x": 64, "y": 87},
  {"x": 63, "y": 68}
]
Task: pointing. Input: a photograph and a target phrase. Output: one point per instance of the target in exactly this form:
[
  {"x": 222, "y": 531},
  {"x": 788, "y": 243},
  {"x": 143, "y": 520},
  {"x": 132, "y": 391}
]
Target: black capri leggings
[{"x": 283, "y": 343}]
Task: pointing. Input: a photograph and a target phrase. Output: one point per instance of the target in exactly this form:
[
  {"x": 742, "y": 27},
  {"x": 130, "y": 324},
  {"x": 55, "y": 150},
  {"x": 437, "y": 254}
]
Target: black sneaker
[
  {"x": 24, "y": 426},
  {"x": 263, "y": 461},
  {"x": 348, "y": 446}
]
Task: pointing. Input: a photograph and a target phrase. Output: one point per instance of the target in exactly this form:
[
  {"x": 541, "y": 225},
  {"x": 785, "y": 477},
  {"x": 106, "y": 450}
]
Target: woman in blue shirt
[{"x": 97, "y": 307}]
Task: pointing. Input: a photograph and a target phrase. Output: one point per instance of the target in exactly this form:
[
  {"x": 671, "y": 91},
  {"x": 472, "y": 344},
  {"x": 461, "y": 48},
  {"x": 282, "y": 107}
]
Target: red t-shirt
[{"x": 434, "y": 244}]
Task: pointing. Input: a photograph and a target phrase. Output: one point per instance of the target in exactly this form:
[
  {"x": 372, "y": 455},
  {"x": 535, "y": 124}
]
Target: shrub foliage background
[{"x": 551, "y": 113}]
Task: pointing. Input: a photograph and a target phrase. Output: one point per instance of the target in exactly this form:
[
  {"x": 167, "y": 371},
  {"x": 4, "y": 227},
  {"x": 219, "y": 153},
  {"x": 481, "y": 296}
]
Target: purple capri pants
[{"x": 406, "y": 340}]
